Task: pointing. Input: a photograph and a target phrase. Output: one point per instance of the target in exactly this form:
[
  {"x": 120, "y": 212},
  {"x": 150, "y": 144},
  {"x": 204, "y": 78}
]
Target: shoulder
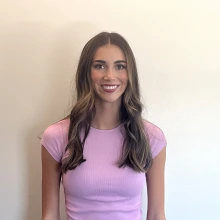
[
  {"x": 153, "y": 130},
  {"x": 56, "y": 130},
  {"x": 157, "y": 139},
  {"x": 55, "y": 137}
]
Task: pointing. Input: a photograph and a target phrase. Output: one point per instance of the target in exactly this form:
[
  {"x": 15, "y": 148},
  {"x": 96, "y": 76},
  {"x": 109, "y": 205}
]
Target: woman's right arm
[{"x": 51, "y": 177}]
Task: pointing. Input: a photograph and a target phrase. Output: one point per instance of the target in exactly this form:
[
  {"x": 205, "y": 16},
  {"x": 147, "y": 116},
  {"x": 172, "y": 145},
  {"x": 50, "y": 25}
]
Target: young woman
[{"x": 104, "y": 151}]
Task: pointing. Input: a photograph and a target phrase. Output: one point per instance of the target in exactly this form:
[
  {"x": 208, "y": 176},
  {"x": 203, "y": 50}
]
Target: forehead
[{"x": 109, "y": 52}]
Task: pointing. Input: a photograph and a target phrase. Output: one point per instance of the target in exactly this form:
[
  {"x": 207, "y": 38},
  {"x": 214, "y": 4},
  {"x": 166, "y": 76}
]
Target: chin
[{"x": 109, "y": 100}]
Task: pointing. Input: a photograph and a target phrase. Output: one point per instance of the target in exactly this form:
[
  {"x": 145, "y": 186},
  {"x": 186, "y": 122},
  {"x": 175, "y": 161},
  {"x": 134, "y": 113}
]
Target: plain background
[{"x": 177, "y": 47}]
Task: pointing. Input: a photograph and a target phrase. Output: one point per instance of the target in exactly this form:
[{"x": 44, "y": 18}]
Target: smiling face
[{"x": 109, "y": 73}]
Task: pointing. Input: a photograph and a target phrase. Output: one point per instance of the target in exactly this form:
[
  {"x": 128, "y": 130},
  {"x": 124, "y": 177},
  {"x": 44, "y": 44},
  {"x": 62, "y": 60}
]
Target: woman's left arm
[{"x": 155, "y": 187}]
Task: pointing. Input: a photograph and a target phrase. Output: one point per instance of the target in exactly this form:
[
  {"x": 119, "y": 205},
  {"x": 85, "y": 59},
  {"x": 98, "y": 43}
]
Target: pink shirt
[{"x": 97, "y": 189}]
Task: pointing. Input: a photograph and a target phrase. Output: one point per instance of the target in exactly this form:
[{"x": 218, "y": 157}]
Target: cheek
[
  {"x": 95, "y": 76},
  {"x": 124, "y": 78}
]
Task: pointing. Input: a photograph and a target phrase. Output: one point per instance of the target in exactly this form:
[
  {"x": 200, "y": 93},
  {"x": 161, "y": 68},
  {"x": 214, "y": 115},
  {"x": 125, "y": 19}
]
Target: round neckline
[{"x": 106, "y": 130}]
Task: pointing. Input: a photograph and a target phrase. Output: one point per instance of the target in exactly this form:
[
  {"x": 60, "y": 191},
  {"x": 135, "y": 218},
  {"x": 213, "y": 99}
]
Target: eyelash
[
  {"x": 118, "y": 66},
  {"x": 122, "y": 66},
  {"x": 98, "y": 66}
]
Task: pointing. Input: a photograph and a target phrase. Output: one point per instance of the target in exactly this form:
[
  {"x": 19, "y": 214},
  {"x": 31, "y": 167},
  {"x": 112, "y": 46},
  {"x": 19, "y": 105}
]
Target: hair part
[{"x": 136, "y": 151}]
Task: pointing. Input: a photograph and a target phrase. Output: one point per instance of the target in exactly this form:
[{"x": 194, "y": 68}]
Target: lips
[
  {"x": 109, "y": 85},
  {"x": 109, "y": 88}
]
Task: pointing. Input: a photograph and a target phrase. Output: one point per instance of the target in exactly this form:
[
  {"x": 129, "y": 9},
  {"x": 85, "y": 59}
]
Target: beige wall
[{"x": 177, "y": 47}]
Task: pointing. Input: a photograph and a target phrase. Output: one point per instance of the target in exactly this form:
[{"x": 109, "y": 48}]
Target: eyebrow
[{"x": 102, "y": 61}]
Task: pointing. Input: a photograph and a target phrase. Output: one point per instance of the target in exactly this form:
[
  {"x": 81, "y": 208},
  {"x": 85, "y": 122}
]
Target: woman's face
[{"x": 109, "y": 73}]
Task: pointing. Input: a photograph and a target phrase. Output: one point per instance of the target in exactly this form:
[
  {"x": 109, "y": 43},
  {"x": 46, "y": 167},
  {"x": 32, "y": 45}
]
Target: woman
[{"x": 104, "y": 151}]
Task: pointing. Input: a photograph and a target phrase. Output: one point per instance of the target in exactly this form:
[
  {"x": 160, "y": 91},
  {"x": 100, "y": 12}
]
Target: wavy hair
[{"x": 136, "y": 151}]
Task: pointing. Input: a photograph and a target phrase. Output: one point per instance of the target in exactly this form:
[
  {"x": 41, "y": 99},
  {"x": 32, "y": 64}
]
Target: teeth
[{"x": 109, "y": 87}]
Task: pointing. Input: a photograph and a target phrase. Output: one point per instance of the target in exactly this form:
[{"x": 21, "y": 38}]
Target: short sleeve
[
  {"x": 156, "y": 138},
  {"x": 52, "y": 140}
]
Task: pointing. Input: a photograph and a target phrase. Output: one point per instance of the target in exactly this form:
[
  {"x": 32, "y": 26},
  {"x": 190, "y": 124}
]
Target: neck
[{"x": 107, "y": 115}]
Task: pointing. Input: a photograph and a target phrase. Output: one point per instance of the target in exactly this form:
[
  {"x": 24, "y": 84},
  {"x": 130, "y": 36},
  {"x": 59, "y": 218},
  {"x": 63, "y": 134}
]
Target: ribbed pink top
[{"x": 97, "y": 189}]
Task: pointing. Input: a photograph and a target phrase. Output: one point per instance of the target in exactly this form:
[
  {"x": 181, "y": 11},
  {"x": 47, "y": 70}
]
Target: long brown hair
[{"x": 136, "y": 151}]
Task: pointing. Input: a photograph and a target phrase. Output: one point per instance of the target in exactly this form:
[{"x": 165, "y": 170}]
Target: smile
[{"x": 109, "y": 88}]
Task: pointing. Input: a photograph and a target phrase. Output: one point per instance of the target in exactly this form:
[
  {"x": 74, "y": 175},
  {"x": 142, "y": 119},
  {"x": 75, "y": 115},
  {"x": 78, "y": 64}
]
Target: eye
[
  {"x": 99, "y": 66},
  {"x": 120, "y": 66}
]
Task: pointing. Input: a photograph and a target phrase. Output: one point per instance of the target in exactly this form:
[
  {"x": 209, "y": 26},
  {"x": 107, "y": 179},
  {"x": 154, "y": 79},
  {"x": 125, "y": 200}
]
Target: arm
[
  {"x": 50, "y": 186},
  {"x": 155, "y": 188}
]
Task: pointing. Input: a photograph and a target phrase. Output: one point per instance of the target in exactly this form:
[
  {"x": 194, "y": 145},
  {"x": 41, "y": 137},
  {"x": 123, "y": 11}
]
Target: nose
[{"x": 109, "y": 74}]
